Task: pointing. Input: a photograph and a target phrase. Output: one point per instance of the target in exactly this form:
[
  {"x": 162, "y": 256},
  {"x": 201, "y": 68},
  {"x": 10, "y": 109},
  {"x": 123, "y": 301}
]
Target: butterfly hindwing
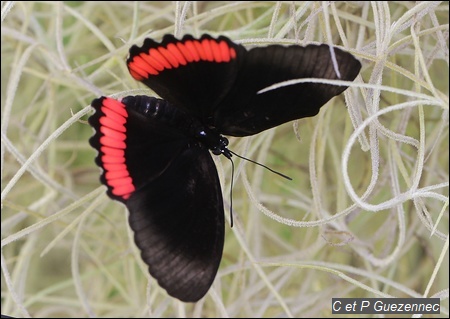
[
  {"x": 244, "y": 112},
  {"x": 132, "y": 148},
  {"x": 194, "y": 74}
]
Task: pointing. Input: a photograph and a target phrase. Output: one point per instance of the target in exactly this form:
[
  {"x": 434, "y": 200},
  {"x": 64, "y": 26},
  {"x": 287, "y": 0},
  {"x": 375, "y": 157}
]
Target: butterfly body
[
  {"x": 155, "y": 153},
  {"x": 176, "y": 118}
]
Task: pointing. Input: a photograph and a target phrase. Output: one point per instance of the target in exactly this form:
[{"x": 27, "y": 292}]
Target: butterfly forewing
[
  {"x": 178, "y": 224},
  {"x": 244, "y": 112}
]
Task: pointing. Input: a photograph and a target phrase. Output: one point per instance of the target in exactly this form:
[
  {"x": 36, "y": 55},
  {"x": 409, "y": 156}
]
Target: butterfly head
[
  {"x": 215, "y": 142},
  {"x": 222, "y": 148}
]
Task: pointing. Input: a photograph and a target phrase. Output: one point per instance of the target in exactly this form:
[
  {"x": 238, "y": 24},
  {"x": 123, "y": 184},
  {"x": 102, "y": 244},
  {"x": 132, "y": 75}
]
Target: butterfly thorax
[{"x": 176, "y": 118}]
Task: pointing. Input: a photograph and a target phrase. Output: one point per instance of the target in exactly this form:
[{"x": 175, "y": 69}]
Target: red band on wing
[
  {"x": 169, "y": 56},
  {"x": 112, "y": 147},
  {"x": 178, "y": 54},
  {"x": 191, "y": 48},
  {"x": 207, "y": 48}
]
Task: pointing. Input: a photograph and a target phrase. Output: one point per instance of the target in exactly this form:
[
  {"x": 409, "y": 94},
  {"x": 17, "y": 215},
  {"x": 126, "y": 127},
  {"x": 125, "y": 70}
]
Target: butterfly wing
[
  {"x": 178, "y": 224},
  {"x": 194, "y": 74},
  {"x": 170, "y": 186},
  {"x": 218, "y": 81},
  {"x": 132, "y": 149},
  {"x": 244, "y": 112}
]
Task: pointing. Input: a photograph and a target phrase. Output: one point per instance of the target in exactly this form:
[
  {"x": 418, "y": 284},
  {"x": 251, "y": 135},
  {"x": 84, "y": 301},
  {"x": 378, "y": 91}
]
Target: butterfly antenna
[
  {"x": 231, "y": 192},
  {"x": 266, "y": 167}
]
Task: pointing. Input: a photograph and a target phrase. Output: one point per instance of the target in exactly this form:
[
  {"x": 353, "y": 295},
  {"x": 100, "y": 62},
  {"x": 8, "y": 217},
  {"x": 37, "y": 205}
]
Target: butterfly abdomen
[{"x": 177, "y": 119}]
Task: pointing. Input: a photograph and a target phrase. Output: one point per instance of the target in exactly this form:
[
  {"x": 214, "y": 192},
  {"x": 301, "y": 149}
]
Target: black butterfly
[{"x": 155, "y": 152}]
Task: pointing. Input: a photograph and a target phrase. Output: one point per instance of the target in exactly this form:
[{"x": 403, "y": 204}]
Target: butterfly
[{"x": 155, "y": 153}]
